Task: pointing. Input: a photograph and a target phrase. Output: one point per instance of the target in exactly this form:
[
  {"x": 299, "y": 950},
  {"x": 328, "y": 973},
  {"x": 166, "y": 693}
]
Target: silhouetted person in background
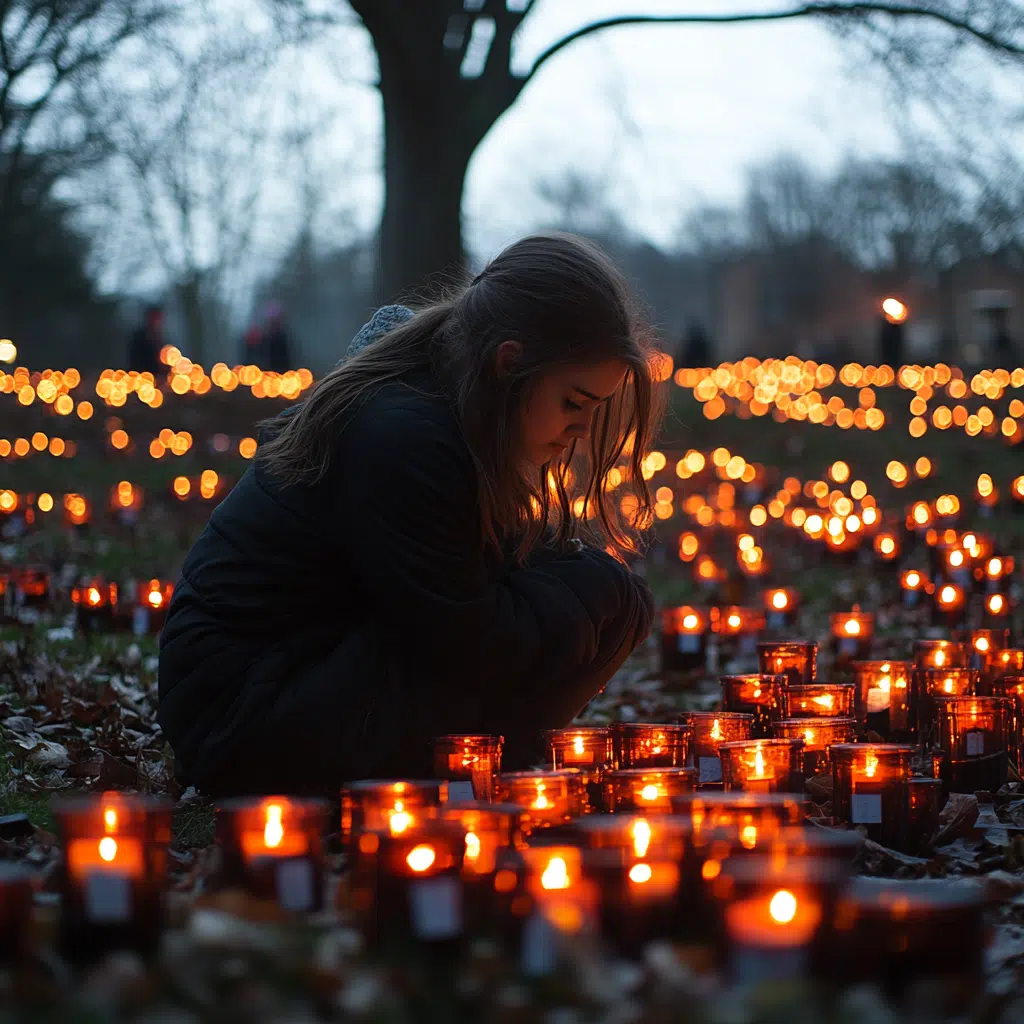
[
  {"x": 276, "y": 344},
  {"x": 696, "y": 346},
  {"x": 146, "y": 342}
]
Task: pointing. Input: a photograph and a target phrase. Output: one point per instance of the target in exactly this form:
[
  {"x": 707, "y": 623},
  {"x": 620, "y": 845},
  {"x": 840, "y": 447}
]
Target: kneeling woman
[{"x": 403, "y": 558}]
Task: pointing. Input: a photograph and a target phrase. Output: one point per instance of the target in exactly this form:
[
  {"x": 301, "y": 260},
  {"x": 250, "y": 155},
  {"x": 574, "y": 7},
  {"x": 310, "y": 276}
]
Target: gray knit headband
[{"x": 386, "y": 319}]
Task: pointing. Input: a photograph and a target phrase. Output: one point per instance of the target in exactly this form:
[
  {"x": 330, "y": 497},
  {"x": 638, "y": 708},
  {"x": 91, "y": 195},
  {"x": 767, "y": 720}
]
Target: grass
[{"x": 36, "y": 807}]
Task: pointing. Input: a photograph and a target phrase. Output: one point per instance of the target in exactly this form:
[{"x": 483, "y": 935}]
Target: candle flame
[
  {"x": 758, "y": 761},
  {"x": 947, "y": 685},
  {"x": 155, "y": 598},
  {"x": 757, "y": 691},
  {"x": 940, "y": 658},
  {"x": 640, "y": 873},
  {"x": 690, "y": 621},
  {"x": 400, "y": 819},
  {"x": 913, "y": 579},
  {"x": 734, "y": 621},
  {"x": 748, "y": 837},
  {"x": 273, "y": 831},
  {"x": 852, "y": 627},
  {"x": 542, "y": 803},
  {"x": 826, "y": 700},
  {"x": 981, "y": 644},
  {"x": 782, "y": 906},
  {"x": 421, "y": 857},
  {"x": 108, "y": 848},
  {"x": 995, "y": 566},
  {"x": 649, "y": 792},
  {"x": 93, "y": 596},
  {"x": 110, "y": 819},
  {"x": 885, "y": 684},
  {"x": 809, "y": 735},
  {"x": 995, "y": 606},
  {"x": 779, "y": 599},
  {"x": 577, "y": 744},
  {"x": 870, "y": 765},
  {"x": 472, "y": 846},
  {"x": 556, "y": 874},
  {"x": 641, "y": 837},
  {"x": 716, "y": 730}
]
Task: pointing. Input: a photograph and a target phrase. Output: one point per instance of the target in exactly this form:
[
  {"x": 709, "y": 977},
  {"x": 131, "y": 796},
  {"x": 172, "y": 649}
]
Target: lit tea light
[
  {"x": 389, "y": 805},
  {"x": 870, "y": 789},
  {"x": 651, "y": 745},
  {"x": 939, "y": 654},
  {"x": 547, "y": 798},
  {"x": 887, "y": 546},
  {"x": 928, "y": 684},
  {"x": 818, "y": 735},
  {"x": 149, "y": 603},
  {"x": 852, "y": 633},
  {"x": 976, "y": 733},
  {"x": 646, "y": 789},
  {"x": 490, "y": 831},
  {"x": 585, "y": 747},
  {"x": 710, "y": 729},
  {"x": 983, "y": 646},
  {"x": 734, "y": 623},
  {"x": 949, "y": 599},
  {"x": 684, "y": 639},
  {"x": 271, "y": 847},
  {"x": 797, "y": 660},
  {"x": 757, "y": 695},
  {"x": 780, "y": 605},
  {"x": 95, "y": 605},
  {"x": 1009, "y": 661},
  {"x": 818, "y": 700},
  {"x": 113, "y": 873},
  {"x": 762, "y": 765},
  {"x": 882, "y": 698},
  {"x": 470, "y": 763},
  {"x": 913, "y": 583}
]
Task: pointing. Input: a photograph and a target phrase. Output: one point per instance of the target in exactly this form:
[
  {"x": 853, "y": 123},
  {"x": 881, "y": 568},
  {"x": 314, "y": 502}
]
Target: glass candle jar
[
  {"x": 925, "y": 804},
  {"x": 1012, "y": 688},
  {"x": 1009, "y": 662},
  {"x": 882, "y": 696},
  {"x": 388, "y": 805},
  {"x": 939, "y": 654},
  {"x": 818, "y": 700},
  {"x": 489, "y": 828},
  {"x": 780, "y": 605},
  {"x": 757, "y": 695},
  {"x": 271, "y": 847},
  {"x": 470, "y": 763},
  {"x": 763, "y": 765},
  {"x": 870, "y": 788},
  {"x": 797, "y": 660},
  {"x": 976, "y": 733},
  {"x": 650, "y": 745},
  {"x": 913, "y": 584},
  {"x": 646, "y": 789},
  {"x": 113, "y": 872},
  {"x": 589, "y": 748},
  {"x": 926, "y": 685},
  {"x": 982, "y": 645},
  {"x": 852, "y": 633},
  {"x": 684, "y": 639},
  {"x": 547, "y": 798},
  {"x": 818, "y": 735},
  {"x": 710, "y": 729}
]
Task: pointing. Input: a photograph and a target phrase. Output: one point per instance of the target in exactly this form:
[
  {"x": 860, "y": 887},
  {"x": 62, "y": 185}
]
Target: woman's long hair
[{"x": 565, "y": 303}]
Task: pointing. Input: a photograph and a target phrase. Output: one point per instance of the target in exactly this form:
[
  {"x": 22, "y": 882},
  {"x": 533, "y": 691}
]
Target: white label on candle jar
[
  {"x": 460, "y": 790},
  {"x": 710, "y": 769},
  {"x": 848, "y": 645},
  {"x": 140, "y": 621},
  {"x": 878, "y": 700},
  {"x": 689, "y": 643},
  {"x": 540, "y": 950},
  {"x": 975, "y": 743},
  {"x": 108, "y": 896},
  {"x": 755, "y": 966},
  {"x": 436, "y": 908},
  {"x": 295, "y": 884},
  {"x": 866, "y": 808}
]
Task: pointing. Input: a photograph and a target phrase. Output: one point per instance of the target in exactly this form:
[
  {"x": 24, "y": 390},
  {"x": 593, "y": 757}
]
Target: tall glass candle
[
  {"x": 882, "y": 695},
  {"x": 939, "y": 654},
  {"x": 471, "y": 763},
  {"x": 870, "y": 788},
  {"x": 651, "y": 745},
  {"x": 797, "y": 660},
  {"x": 976, "y": 733},
  {"x": 927, "y": 684},
  {"x": 763, "y": 765},
  {"x": 646, "y": 789},
  {"x": 710, "y": 729},
  {"x": 757, "y": 695},
  {"x": 818, "y": 700},
  {"x": 818, "y": 735}
]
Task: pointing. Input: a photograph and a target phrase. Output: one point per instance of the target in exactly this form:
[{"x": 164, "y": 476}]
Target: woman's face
[{"x": 561, "y": 405}]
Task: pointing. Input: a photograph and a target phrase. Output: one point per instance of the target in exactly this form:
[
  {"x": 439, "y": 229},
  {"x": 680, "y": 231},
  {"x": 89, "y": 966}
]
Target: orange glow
[
  {"x": 782, "y": 906},
  {"x": 108, "y": 848},
  {"x": 273, "y": 830},
  {"x": 421, "y": 858},
  {"x": 895, "y": 311},
  {"x": 640, "y": 873},
  {"x": 556, "y": 874}
]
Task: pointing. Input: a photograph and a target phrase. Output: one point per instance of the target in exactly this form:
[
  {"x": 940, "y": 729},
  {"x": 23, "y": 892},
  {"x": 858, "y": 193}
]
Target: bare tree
[{"x": 446, "y": 76}]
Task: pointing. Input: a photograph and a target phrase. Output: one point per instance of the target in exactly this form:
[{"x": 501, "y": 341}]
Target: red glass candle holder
[
  {"x": 797, "y": 660},
  {"x": 489, "y": 828},
  {"x": 148, "y": 603},
  {"x": 852, "y": 633},
  {"x": 389, "y": 805},
  {"x": 1009, "y": 662},
  {"x": 818, "y": 700},
  {"x": 928, "y": 684},
  {"x": 651, "y": 745},
  {"x": 710, "y": 729},
  {"x": 1011, "y": 687},
  {"x": 31, "y": 586},
  {"x": 113, "y": 872},
  {"x": 925, "y": 802},
  {"x": 547, "y": 798},
  {"x": 781, "y": 605},
  {"x": 739, "y": 627},
  {"x": 757, "y": 695},
  {"x": 646, "y": 789},
  {"x": 272, "y": 847},
  {"x": 882, "y": 696},
  {"x": 95, "y": 605},
  {"x": 983, "y": 646},
  {"x": 818, "y": 735},
  {"x": 589, "y": 748},
  {"x": 913, "y": 583},
  {"x": 684, "y": 639},
  {"x": 470, "y": 763},
  {"x": 976, "y": 733},
  {"x": 763, "y": 765},
  {"x": 870, "y": 789},
  {"x": 939, "y": 654}
]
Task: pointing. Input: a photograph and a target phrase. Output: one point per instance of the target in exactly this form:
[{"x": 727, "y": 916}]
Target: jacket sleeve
[{"x": 406, "y": 486}]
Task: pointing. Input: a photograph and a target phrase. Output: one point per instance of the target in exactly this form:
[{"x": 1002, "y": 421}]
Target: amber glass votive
[
  {"x": 646, "y": 789},
  {"x": 1009, "y": 662},
  {"x": 651, "y": 745},
  {"x": 818, "y": 735},
  {"x": 684, "y": 638},
  {"x": 870, "y": 788},
  {"x": 939, "y": 654},
  {"x": 113, "y": 872},
  {"x": 882, "y": 695},
  {"x": 926, "y": 685},
  {"x": 818, "y": 700},
  {"x": 763, "y": 765},
  {"x": 852, "y": 633},
  {"x": 925, "y": 803},
  {"x": 489, "y": 828},
  {"x": 471, "y": 763},
  {"x": 585, "y": 747},
  {"x": 797, "y": 660},
  {"x": 1012, "y": 688},
  {"x": 759, "y": 696},
  {"x": 547, "y": 798},
  {"x": 389, "y": 805},
  {"x": 710, "y": 729},
  {"x": 982, "y": 644},
  {"x": 976, "y": 733},
  {"x": 271, "y": 846}
]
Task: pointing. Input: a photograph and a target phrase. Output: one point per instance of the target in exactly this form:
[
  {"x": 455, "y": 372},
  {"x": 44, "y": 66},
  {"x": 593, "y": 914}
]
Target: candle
[
  {"x": 271, "y": 846},
  {"x": 976, "y": 733},
  {"x": 913, "y": 583},
  {"x": 113, "y": 871},
  {"x": 949, "y": 600},
  {"x": 684, "y": 639},
  {"x": 148, "y": 601},
  {"x": 388, "y": 805},
  {"x": 763, "y": 765},
  {"x": 852, "y": 632},
  {"x": 710, "y": 729},
  {"x": 780, "y": 604},
  {"x": 646, "y": 745},
  {"x": 818, "y": 700},
  {"x": 926, "y": 684},
  {"x": 939, "y": 654},
  {"x": 548, "y": 798},
  {"x": 1011, "y": 687},
  {"x": 881, "y": 695},
  {"x": 581, "y": 747},
  {"x": 744, "y": 624},
  {"x": 757, "y": 695},
  {"x": 32, "y": 586},
  {"x": 1009, "y": 662},
  {"x": 818, "y": 735},
  {"x": 925, "y": 802},
  {"x": 870, "y": 788},
  {"x": 797, "y": 660},
  {"x": 646, "y": 789},
  {"x": 95, "y": 603},
  {"x": 470, "y": 763}
]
